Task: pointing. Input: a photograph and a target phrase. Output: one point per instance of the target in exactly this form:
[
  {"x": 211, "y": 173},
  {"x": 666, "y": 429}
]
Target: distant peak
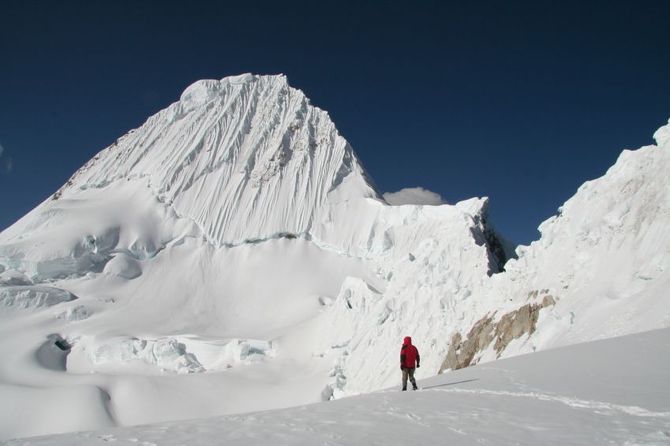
[{"x": 244, "y": 157}]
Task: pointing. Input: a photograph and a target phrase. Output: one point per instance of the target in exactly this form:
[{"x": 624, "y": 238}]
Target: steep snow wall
[{"x": 604, "y": 258}]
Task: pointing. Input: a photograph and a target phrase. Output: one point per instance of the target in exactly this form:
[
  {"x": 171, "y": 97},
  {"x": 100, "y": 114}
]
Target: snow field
[{"x": 582, "y": 394}]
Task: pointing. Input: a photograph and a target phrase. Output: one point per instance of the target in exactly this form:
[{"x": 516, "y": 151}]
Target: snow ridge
[{"x": 604, "y": 258}]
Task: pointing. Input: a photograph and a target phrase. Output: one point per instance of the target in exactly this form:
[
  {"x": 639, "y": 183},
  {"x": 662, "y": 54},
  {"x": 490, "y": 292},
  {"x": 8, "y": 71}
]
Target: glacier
[{"x": 233, "y": 255}]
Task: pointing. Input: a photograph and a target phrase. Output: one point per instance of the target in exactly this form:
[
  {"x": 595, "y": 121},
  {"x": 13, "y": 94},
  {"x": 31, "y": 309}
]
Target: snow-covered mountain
[
  {"x": 231, "y": 255},
  {"x": 244, "y": 158},
  {"x": 601, "y": 268}
]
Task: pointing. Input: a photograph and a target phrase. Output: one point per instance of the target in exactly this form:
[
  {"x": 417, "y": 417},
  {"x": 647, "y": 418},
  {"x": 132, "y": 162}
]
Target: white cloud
[{"x": 413, "y": 195}]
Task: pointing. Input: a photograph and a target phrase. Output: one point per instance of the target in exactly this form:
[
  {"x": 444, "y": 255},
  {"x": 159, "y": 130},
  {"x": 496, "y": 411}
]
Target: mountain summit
[{"x": 247, "y": 157}]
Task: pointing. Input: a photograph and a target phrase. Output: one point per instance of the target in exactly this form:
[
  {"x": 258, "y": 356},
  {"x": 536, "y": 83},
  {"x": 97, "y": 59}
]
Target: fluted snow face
[{"x": 246, "y": 157}]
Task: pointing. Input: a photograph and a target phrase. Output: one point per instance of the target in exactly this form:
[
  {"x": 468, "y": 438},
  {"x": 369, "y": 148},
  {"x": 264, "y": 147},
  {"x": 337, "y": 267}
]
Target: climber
[{"x": 409, "y": 358}]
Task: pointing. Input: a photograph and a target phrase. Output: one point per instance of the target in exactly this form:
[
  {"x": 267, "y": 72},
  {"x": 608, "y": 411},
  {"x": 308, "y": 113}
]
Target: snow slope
[
  {"x": 582, "y": 395},
  {"x": 604, "y": 259},
  {"x": 233, "y": 245}
]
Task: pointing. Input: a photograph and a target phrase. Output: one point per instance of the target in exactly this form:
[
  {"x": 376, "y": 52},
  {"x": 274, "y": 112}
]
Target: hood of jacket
[{"x": 407, "y": 341}]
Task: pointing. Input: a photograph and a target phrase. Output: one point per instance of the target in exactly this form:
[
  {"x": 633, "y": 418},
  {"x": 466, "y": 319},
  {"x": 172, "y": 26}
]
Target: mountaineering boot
[
  {"x": 404, "y": 389},
  {"x": 414, "y": 387}
]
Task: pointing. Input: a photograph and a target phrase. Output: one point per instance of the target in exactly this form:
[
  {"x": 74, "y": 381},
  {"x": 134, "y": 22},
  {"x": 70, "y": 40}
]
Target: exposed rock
[
  {"x": 461, "y": 353},
  {"x": 485, "y": 235},
  {"x": 510, "y": 326},
  {"x": 513, "y": 325},
  {"x": 548, "y": 300}
]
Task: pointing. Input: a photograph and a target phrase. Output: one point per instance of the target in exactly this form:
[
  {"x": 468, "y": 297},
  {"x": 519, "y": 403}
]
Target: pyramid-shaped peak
[{"x": 245, "y": 157}]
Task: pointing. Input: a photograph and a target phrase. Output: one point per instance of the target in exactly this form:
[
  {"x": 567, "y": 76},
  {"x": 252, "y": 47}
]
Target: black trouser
[{"x": 407, "y": 371}]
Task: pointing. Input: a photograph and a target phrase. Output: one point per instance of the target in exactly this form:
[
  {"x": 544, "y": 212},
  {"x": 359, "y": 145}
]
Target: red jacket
[{"x": 409, "y": 355}]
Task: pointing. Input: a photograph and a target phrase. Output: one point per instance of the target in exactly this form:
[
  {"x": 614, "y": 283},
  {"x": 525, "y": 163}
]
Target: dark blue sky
[{"x": 518, "y": 101}]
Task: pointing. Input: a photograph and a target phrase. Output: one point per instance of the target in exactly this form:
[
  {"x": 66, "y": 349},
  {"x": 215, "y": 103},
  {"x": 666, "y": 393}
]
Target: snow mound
[
  {"x": 33, "y": 297},
  {"x": 124, "y": 266},
  {"x": 76, "y": 313}
]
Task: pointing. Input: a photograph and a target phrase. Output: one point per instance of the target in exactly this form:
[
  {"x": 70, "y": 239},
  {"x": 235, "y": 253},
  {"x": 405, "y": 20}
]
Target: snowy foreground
[{"x": 613, "y": 391}]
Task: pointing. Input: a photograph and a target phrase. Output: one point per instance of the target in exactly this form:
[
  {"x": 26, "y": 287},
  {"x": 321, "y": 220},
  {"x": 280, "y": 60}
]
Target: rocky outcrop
[
  {"x": 461, "y": 352},
  {"x": 485, "y": 235},
  {"x": 510, "y": 326}
]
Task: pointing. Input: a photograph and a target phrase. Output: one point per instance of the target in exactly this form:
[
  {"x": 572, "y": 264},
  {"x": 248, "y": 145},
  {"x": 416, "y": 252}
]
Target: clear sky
[{"x": 518, "y": 101}]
